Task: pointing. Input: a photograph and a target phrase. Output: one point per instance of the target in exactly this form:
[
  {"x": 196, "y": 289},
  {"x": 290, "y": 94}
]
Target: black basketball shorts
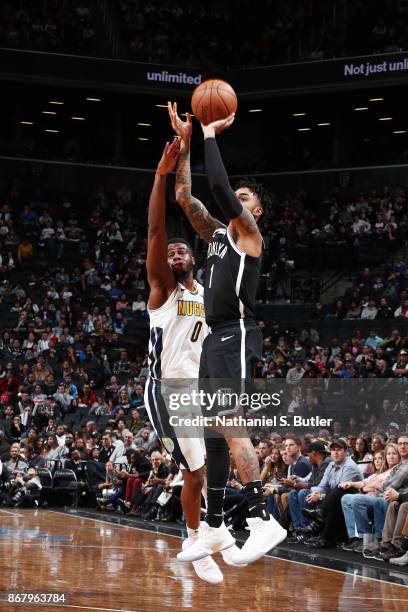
[{"x": 229, "y": 355}]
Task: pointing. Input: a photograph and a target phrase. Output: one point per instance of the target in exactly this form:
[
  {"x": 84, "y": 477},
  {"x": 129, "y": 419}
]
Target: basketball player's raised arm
[
  {"x": 242, "y": 222},
  {"x": 201, "y": 220},
  {"x": 159, "y": 274}
]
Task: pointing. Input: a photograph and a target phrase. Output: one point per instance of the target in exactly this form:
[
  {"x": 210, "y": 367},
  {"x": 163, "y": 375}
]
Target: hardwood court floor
[{"x": 105, "y": 567}]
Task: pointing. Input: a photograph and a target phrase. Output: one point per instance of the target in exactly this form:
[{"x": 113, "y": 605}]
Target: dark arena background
[{"x": 90, "y": 513}]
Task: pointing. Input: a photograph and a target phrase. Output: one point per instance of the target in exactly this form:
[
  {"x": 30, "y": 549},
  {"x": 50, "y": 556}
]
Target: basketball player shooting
[
  {"x": 173, "y": 333},
  {"x": 235, "y": 342}
]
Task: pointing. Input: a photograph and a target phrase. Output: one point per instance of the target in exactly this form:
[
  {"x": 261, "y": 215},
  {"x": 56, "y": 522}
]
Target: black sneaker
[
  {"x": 292, "y": 539},
  {"x": 370, "y": 553},
  {"x": 392, "y": 553},
  {"x": 354, "y": 542},
  {"x": 125, "y": 508}
]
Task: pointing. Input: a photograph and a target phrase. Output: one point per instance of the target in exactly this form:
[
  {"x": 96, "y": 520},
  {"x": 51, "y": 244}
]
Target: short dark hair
[
  {"x": 256, "y": 188},
  {"x": 296, "y": 440},
  {"x": 178, "y": 240}
]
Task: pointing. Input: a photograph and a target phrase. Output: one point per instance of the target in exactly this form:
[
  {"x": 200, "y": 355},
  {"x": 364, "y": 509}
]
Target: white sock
[{"x": 192, "y": 533}]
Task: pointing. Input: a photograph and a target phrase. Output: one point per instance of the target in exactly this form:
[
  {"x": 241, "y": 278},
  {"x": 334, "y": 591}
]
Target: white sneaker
[
  {"x": 263, "y": 536},
  {"x": 210, "y": 541},
  {"x": 206, "y": 568},
  {"x": 400, "y": 560},
  {"x": 229, "y": 554}
]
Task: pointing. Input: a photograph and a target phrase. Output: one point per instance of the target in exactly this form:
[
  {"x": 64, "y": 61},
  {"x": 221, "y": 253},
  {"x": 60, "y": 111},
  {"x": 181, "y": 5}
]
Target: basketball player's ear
[
  {"x": 258, "y": 212},
  {"x": 193, "y": 260}
]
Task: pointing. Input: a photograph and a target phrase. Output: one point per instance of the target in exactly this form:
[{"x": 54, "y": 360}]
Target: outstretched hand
[
  {"x": 216, "y": 127},
  {"x": 170, "y": 156},
  {"x": 183, "y": 129}
]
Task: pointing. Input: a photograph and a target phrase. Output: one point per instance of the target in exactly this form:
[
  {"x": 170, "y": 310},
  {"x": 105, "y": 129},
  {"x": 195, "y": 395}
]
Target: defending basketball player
[
  {"x": 172, "y": 334},
  {"x": 235, "y": 344}
]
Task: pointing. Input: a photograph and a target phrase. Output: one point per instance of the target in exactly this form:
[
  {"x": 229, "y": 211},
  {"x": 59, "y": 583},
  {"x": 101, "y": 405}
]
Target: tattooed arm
[{"x": 201, "y": 220}]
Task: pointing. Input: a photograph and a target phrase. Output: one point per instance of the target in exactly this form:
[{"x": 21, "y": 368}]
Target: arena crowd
[{"x": 166, "y": 32}]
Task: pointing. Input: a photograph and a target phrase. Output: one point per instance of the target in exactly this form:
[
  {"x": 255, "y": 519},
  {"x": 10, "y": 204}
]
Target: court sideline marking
[{"x": 11, "y": 513}]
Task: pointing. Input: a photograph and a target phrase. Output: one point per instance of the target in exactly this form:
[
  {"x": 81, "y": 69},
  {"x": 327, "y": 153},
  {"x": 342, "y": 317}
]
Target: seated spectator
[
  {"x": 142, "y": 439},
  {"x": 134, "y": 477},
  {"x": 25, "y": 490},
  {"x": 139, "y": 308},
  {"x": 54, "y": 453},
  {"x": 107, "y": 448},
  {"x": 385, "y": 493},
  {"x": 96, "y": 470},
  {"x": 135, "y": 423},
  {"x": 15, "y": 463},
  {"x": 109, "y": 490},
  {"x": 298, "y": 466},
  {"x": 263, "y": 448},
  {"x": 394, "y": 543},
  {"x": 145, "y": 501},
  {"x": 327, "y": 518},
  {"x": 302, "y": 487},
  {"x": 273, "y": 469},
  {"x": 383, "y": 461},
  {"x": 295, "y": 374},
  {"x": 354, "y": 311},
  {"x": 16, "y": 430},
  {"x": 361, "y": 454}
]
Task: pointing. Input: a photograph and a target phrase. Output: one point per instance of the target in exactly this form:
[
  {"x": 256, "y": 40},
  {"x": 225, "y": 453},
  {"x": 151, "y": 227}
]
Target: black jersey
[{"x": 231, "y": 281}]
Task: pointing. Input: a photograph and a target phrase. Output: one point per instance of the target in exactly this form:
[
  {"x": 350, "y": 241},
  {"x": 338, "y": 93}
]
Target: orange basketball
[{"x": 212, "y": 100}]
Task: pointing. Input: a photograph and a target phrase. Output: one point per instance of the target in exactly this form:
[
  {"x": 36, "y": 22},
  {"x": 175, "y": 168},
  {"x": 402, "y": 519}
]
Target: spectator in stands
[
  {"x": 264, "y": 448},
  {"x": 54, "y": 453},
  {"x": 33, "y": 458},
  {"x": 15, "y": 463},
  {"x": 298, "y": 466},
  {"x": 295, "y": 374},
  {"x": 25, "y": 490},
  {"x": 327, "y": 518},
  {"x": 361, "y": 454},
  {"x": 383, "y": 462},
  {"x": 320, "y": 459},
  {"x": 273, "y": 468},
  {"x": 135, "y": 476},
  {"x": 107, "y": 448},
  {"x": 396, "y": 479},
  {"x": 96, "y": 470},
  {"x": 153, "y": 487},
  {"x": 393, "y": 540},
  {"x": 135, "y": 423}
]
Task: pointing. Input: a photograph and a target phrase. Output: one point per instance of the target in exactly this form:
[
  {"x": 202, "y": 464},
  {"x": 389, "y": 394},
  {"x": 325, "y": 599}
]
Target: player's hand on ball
[
  {"x": 169, "y": 158},
  {"x": 183, "y": 129},
  {"x": 216, "y": 127}
]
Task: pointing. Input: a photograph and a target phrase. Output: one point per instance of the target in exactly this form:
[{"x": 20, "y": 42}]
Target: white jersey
[{"x": 177, "y": 332}]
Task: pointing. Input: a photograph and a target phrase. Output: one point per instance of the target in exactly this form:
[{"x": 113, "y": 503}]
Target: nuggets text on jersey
[{"x": 190, "y": 309}]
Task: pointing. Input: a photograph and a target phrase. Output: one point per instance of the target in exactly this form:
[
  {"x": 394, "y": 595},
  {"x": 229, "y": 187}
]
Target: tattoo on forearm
[{"x": 201, "y": 220}]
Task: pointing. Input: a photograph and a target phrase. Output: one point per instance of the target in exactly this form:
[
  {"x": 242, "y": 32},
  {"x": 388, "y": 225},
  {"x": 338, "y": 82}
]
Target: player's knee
[{"x": 195, "y": 479}]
